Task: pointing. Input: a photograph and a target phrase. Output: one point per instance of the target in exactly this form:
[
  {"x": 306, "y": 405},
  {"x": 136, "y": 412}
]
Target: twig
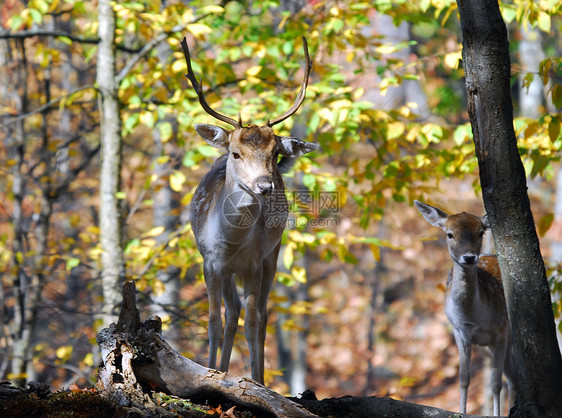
[{"x": 46, "y": 105}]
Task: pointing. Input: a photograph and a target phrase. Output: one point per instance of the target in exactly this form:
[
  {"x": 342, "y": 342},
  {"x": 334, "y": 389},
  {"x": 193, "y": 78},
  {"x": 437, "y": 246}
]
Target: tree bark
[
  {"x": 21, "y": 329},
  {"x": 166, "y": 213},
  {"x": 112, "y": 260},
  {"x": 530, "y": 56},
  {"x": 486, "y": 63}
]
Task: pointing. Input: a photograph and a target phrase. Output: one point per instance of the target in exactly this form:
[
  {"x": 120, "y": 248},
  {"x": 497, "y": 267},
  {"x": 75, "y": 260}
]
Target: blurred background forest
[{"x": 357, "y": 307}]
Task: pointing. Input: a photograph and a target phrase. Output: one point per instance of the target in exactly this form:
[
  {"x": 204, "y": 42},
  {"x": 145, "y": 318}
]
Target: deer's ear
[
  {"x": 294, "y": 147},
  {"x": 213, "y": 135},
  {"x": 433, "y": 215},
  {"x": 485, "y": 221}
]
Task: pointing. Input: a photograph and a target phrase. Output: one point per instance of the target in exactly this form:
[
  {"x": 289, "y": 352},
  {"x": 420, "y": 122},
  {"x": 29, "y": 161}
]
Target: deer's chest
[{"x": 473, "y": 322}]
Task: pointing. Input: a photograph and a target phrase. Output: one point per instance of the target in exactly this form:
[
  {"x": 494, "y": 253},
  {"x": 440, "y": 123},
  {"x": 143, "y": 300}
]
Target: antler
[
  {"x": 199, "y": 90},
  {"x": 302, "y": 93}
]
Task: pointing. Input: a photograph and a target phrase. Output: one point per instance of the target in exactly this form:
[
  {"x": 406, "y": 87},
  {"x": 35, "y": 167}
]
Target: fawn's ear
[
  {"x": 433, "y": 215},
  {"x": 485, "y": 221},
  {"x": 213, "y": 135}
]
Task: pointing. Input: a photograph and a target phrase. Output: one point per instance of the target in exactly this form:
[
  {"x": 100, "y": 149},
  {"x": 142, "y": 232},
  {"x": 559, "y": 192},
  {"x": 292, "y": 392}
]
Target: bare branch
[
  {"x": 46, "y": 105},
  {"x": 24, "y": 34}
]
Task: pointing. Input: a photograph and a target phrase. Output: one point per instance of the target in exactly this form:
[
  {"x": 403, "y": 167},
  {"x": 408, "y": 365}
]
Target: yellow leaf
[
  {"x": 154, "y": 232},
  {"x": 147, "y": 242},
  {"x": 386, "y": 49},
  {"x": 357, "y": 94},
  {"x": 163, "y": 159},
  {"x": 299, "y": 273},
  {"x": 395, "y": 130},
  {"x": 198, "y": 29},
  {"x": 452, "y": 60},
  {"x": 89, "y": 360},
  {"x": 177, "y": 179},
  {"x": 544, "y": 21},
  {"x": 288, "y": 256},
  {"x": 158, "y": 288},
  {"x": 53, "y": 6},
  {"x": 253, "y": 71},
  {"x": 14, "y": 376},
  {"x": 375, "y": 249},
  {"x": 166, "y": 321},
  {"x": 147, "y": 118},
  {"x": 212, "y": 9},
  {"x": 325, "y": 114},
  {"x": 179, "y": 66},
  {"x": 545, "y": 223},
  {"x": 64, "y": 352}
]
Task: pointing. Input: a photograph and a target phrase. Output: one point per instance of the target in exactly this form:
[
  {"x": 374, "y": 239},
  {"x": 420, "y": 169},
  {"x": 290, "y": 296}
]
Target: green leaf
[
  {"x": 208, "y": 150},
  {"x": 15, "y": 22},
  {"x": 545, "y": 223},
  {"x": 133, "y": 243},
  {"x": 166, "y": 130},
  {"x": 544, "y": 21},
  {"x": 36, "y": 16},
  {"x": 557, "y": 96},
  {"x": 64, "y": 40},
  {"x": 309, "y": 180},
  {"x": 554, "y": 129},
  {"x": 71, "y": 263},
  {"x": 508, "y": 13}
]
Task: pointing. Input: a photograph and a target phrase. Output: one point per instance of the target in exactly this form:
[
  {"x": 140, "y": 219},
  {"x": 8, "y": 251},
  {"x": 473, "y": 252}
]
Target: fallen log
[{"x": 136, "y": 359}]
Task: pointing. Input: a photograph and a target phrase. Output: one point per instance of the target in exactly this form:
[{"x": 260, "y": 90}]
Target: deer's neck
[
  {"x": 463, "y": 285},
  {"x": 237, "y": 214}
]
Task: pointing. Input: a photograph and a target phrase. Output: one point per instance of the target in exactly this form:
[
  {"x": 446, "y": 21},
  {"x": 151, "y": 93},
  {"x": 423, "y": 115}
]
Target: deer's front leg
[
  {"x": 252, "y": 319},
  {"x": 214, "y": 292},
  {"x": 268, "y": 275},
  {"x": 232, "y": 313},
  {"x": 465, "y": 351},
  {"x": 498, "y": 360}
]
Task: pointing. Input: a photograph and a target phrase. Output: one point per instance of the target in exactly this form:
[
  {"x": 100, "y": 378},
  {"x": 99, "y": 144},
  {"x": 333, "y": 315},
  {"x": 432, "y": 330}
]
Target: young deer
[
  {"x": 238, "y": 214},
  {"x": 475, "y": 302}
]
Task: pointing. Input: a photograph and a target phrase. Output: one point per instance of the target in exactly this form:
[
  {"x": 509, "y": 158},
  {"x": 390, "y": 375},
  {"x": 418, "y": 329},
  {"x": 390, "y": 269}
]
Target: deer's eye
[
  {"x": 481, "y": 234},
  {"x": 450, "y": 235},
  {"x": 235, "y": 155}
]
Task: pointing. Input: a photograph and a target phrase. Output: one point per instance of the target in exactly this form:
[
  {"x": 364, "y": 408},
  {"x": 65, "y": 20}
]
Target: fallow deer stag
[
  {"x": 474, "y": 301},
  {"x": 238, "y": 214}
]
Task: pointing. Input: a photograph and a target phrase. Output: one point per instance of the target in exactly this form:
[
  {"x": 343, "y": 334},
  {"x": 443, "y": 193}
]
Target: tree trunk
[
  {"x": 486, "y": 63},
  {"x": 112, "y": 261},
  {"x": 165, "y": 213},
  {"x": 530, "y": 56},
  {"x": 20, "y": 329}
]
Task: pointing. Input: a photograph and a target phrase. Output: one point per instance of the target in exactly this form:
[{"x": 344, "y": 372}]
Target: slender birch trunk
[{"x": 112, "y": 260}]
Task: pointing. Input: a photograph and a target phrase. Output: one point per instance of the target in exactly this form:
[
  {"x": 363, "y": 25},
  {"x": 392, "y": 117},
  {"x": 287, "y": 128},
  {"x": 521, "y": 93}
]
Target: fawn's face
[
  {"x": 464, "y": 232},
  {"x": 464, "y": 237}
]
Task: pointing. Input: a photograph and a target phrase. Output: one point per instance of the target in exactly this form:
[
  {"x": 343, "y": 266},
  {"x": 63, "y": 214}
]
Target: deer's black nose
[
  {"x": 469, "y": 258},
  {"x": 263, "y": 185}
]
